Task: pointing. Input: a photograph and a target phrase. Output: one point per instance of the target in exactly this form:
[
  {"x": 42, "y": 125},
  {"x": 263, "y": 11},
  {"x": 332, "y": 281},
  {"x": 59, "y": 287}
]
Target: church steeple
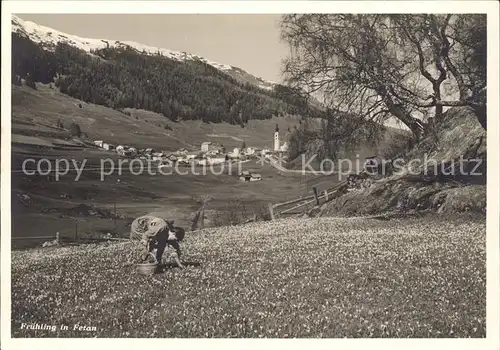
[{"x": 276, "y": 139}]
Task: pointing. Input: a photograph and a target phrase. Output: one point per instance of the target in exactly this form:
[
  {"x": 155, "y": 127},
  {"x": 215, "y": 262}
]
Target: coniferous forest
[{"x": 122, "y": 77}]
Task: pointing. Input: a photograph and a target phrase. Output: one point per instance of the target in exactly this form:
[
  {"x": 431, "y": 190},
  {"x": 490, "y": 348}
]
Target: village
[{"x": 210, "y": 153}]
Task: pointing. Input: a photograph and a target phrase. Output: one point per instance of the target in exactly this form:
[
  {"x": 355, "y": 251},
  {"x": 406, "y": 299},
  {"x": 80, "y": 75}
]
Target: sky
[{"x": 251, "y": 42}]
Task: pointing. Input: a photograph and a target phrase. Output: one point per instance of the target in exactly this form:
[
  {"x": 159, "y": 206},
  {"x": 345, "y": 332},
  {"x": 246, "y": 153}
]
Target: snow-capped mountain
[{"x": 48, "y": 38}]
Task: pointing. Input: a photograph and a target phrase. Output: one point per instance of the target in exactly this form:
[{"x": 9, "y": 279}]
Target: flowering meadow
[{"x": 319, "y": 277}]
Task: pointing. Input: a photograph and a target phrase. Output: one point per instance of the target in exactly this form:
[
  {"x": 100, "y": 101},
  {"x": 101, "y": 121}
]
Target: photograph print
[{"x": 310, "y": 175}]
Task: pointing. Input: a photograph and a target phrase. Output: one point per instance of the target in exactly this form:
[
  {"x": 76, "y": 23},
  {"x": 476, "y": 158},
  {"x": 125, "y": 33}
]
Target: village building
[
  {"x": 98, "y": 143},
  {"x": 213, "y": 153},
  {"x": 255, "y": 177},
  {"x": 216, "y": 160},
  {"x": 235, "y": 153},
  {"x": 181, "y": 152},
  {"x": 266, "y": 153},
  {"x": 284, "y": 147},
  {"x": 247, "y": 176},
  {"x": 276, "y": 139},
  {"x": 108, "y": 146},
  {"x": 132, "y": 151},
  {"x": 120, "y": 150},
  {"x": 191, "y": 155},
  {"x": 212, "y": 146},
  {"x": 249, "y": 151}
]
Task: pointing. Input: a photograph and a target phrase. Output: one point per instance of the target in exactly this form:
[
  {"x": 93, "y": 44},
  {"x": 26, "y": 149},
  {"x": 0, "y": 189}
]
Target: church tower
[{"x": 276, "y": 139}]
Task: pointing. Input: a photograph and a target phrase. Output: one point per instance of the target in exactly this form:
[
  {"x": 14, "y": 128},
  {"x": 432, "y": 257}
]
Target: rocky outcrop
[{"x": 452, "y": 180}]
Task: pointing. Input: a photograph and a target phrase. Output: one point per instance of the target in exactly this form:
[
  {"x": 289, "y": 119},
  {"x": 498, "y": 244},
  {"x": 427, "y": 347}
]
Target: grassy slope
[
  {"x": 35, "y": 114},
  {"x": 169, "y": 195},
  {"x": 304, "y": 278},
  {"x": 457, "y": 135},
  {"x": 45, "y": 106}
]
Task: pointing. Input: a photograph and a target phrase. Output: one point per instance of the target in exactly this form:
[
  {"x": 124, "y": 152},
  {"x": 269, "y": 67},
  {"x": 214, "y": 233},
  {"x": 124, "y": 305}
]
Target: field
[
  {"x": 413, "y": 277},
  {"x": 35, "y": 114},
  {"x": 171, "y": 195},
  {"x": 38, "y": 111}
]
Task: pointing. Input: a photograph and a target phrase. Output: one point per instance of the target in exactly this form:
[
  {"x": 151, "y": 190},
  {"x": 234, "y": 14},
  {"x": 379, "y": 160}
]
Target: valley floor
[{"x": 319, "y": 277}]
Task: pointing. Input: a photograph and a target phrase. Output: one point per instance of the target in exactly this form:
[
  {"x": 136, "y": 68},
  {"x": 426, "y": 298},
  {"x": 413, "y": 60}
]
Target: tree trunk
[
  {"x": 415, "y": 125},
  {"x": 480, "y": 112},
  {"x": 400, "y": 112}
]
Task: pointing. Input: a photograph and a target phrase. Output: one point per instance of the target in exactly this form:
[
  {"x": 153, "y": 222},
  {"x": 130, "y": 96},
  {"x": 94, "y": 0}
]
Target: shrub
[
  {"x": 16, "y": 80},
  {"x": 234, "y": 213},
  {"x": 397, "y": 146},
  {"x": 74, "y": 130},
  {"x": 30, "y": 82}
]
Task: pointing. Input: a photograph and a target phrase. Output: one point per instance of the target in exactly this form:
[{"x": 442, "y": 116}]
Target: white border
[{"x": 276, "y": 7}]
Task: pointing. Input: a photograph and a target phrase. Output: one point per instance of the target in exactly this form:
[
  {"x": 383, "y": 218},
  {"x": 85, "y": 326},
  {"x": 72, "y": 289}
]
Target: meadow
[
  {"x": 321, "y": 277},
  {"x": 35, "y": 114}
]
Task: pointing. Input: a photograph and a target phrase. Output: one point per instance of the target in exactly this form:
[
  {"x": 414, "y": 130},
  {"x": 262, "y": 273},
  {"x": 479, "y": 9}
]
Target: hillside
[
  {"x": 63, "y": 206},
  {"x": 37, "y": 112},
  {"x": 303, "y": 278},
  {"x": 121, "y": 75},
  {"x": 444, "y": 172},
  {"x": 49, "y": 38}
]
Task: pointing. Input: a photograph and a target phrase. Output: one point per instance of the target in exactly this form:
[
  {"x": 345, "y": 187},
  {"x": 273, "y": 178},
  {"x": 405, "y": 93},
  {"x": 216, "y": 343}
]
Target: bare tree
[
  {"x": 351, "y": 61},
  {"x": 378, "y": 66},
  {"x": 455, "y": 46}
]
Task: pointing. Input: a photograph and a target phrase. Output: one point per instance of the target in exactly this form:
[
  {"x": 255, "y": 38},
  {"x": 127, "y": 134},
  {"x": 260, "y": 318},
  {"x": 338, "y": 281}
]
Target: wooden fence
[
  {"x": 298, "y": 206},
  {"x": 57, "y": 239}
]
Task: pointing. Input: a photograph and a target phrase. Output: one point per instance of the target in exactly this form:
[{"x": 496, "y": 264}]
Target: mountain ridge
[{"x": 48, "y": 38}]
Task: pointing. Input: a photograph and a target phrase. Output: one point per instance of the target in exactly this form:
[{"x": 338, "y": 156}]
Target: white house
[
  {"x": 213, "y": 153},
  {"x": 98, "y": 143},
  {"x": 204, "y": 146},
  {"x": 284, "y": 147},
  {"x": 245, "y": 176},
  {"x": 249, "y": 151},
  {"x": 211, "y": 146},
  {"x": 190, "y": 155},
  {"x": 132, "y": 151},
  {"x": 255, "y": 177},
  {"x": 248, "y": 176},
  {"x": 216, "y": 160},
  {"x": 108, "y": 146},
  {"x": 120, "y": 150},
  {"x": 265, "y": 153}
]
